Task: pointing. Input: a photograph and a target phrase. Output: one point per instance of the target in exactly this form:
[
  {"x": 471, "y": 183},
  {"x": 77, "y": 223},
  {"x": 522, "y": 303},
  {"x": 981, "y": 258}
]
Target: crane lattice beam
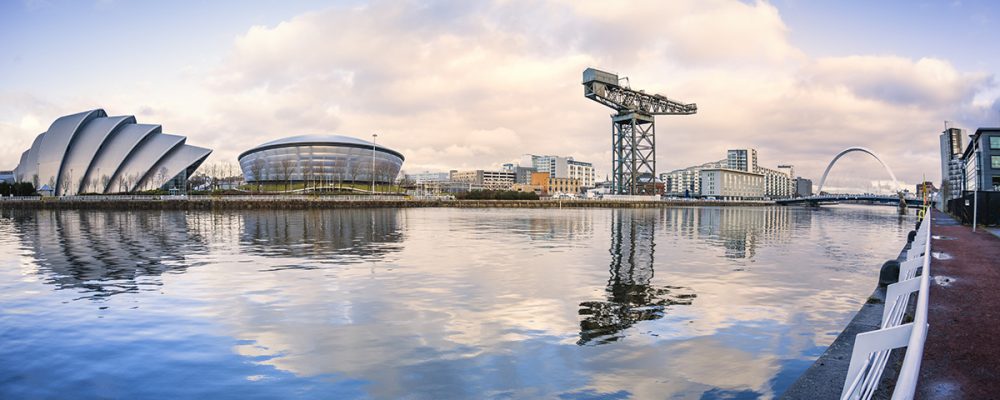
[{"x": 603, "y": 87}]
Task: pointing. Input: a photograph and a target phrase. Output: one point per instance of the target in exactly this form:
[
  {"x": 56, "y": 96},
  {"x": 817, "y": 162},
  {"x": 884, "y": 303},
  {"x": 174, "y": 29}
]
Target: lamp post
[{"x": 374, "y": 135}]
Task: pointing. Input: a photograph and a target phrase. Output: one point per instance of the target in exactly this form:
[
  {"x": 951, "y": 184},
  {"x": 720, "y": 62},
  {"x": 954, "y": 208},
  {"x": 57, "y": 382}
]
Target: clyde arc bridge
[{"x": 820, "y": 197}]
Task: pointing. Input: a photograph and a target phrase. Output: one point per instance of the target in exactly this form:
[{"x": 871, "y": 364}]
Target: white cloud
[{"x": 470, "y": 84}]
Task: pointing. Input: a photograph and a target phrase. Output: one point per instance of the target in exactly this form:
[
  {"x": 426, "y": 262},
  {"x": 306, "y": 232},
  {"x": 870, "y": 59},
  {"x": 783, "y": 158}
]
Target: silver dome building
[
  {"x": 90, "y": 152},
  {"x": 328, "y": 158}
]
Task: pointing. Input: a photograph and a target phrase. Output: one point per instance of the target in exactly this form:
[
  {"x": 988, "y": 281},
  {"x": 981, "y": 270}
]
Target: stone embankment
[{"x": 306, "y": 202}]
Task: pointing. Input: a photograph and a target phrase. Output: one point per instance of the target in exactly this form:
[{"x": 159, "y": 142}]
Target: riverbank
[{"x": 323, "y": 202}]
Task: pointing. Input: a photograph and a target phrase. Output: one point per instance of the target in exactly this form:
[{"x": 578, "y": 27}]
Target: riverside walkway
[{"x": 962, "y": 353}]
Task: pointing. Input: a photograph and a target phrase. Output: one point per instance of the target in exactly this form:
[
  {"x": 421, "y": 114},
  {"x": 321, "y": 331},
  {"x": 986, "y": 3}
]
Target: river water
[{"x": 685, "y": 303}]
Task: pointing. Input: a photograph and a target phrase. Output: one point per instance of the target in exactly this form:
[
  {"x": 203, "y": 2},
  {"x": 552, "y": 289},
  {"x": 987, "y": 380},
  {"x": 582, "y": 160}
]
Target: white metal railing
[
  {"x": 20, "y": 198},
  {"x": 872, "y": 349}
]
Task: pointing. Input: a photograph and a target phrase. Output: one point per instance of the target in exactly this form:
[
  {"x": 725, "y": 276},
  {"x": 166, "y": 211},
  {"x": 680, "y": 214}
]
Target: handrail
[{"x": 872, "y": 349}]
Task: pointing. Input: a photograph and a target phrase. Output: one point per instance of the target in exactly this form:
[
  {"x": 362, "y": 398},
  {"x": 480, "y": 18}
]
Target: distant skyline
[{"x": 459, "y": 84}]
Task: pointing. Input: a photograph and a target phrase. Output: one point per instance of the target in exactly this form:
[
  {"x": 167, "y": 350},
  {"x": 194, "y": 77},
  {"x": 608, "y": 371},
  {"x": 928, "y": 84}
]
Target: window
[
  {"x": 995, "y": 142},
  {"x": 995, "y": 162}
]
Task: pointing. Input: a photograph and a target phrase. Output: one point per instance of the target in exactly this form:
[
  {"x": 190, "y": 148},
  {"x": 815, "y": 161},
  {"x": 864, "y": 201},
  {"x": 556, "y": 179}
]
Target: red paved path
[{"x": 962, "y": 352}]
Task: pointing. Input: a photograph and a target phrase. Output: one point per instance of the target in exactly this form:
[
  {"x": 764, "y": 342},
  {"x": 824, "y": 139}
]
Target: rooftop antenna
[{"x": 945, "y": 125}]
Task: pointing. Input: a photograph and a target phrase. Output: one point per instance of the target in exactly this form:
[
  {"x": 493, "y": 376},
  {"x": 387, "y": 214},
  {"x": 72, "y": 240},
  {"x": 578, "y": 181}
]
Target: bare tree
[
  {"x": 353, "y": 169},
  {"x": 256, "y": 168},
  {"x": 161, "y": 177},
  {"x": 285, "y": 169}
]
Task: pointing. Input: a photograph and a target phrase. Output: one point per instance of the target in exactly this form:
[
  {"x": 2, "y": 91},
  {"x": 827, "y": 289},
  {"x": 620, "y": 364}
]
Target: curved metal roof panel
[
  {"x": 183, "y": 158},
  {"x": 116, "y": 150},
  {"x": 29, "y": 167},
  {"x": 142, "y": 159},
  {"x": 84, "y": 150},
  {"x": 56, "y": 143},
  {"x": 88, "y": 151},
  {"x": 17, "y": 169},
  {"x": 328, "y": 140}
]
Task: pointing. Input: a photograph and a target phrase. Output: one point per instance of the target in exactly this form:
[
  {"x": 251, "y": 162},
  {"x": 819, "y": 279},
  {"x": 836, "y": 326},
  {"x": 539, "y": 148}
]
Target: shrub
[{"x": 496, "y": 195}]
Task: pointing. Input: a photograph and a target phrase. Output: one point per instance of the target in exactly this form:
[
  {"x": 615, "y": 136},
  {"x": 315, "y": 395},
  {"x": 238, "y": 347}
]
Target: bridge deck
[{"x": 835, "y": 198}]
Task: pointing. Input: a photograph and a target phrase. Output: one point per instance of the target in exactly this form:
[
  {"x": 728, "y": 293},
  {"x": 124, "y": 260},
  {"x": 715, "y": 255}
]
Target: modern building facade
[
  {"x": 925, "y": 189},
  {"x": 90, "y": 152},
  {"x": 522, "y": 175},
  {"x": 563, "y": 167},
  {"x": 545, "y": 184},
  {"x": 951, "y": 164},
  {"x": 981, "y": 161},
  {"x": 428, "y": 177},
  {"x": 730, "y": 184},
  {"x": 742, "y": 160},
  {"x": 803, "y": 187},
  {"x": 778, "y": 183},
  {"x": 320, "y": 158},
  {"x": 686, "y": 182},
  {"x": 487, "y": 180}
]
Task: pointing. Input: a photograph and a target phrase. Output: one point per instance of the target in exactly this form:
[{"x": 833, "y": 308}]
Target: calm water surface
[{"x": 681, "y": 303}]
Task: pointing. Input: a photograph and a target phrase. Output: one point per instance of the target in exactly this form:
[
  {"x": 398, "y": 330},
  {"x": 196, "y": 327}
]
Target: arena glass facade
[{"x": 325, "y": 158}]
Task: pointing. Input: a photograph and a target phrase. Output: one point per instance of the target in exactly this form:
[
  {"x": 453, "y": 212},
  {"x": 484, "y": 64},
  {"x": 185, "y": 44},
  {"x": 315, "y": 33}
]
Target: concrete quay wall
[{"x": 221, "y": 203}]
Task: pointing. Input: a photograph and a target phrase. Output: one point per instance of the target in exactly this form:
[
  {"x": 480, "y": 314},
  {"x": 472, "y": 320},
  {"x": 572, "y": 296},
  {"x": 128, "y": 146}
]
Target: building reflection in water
[
  {"x": 336, "y": 236},
  {"x": 739, "y": 230},
  {"x": 102, "y": 254},
  {"x": 630, "y": 295}
]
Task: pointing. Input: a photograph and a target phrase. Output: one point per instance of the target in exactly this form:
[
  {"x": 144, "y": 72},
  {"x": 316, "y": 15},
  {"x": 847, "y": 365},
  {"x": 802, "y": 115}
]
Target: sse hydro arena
[
  {"x": 327, "y": 158},
  {"x": 90, "y": 152}
]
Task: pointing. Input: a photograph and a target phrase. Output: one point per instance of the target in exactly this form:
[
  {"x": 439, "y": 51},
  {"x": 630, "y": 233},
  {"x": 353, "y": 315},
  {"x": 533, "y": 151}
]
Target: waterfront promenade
[{"x": 960, "y": 355}]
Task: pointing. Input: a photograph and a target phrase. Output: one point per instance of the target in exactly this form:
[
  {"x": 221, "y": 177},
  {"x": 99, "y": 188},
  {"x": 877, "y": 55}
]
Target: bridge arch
[{"x": 851, "y": 150}]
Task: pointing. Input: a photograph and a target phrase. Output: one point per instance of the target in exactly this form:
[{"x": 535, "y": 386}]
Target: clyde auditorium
[
  {"x": 91, "y": 152},
  {"x": 320, "y": 158}
]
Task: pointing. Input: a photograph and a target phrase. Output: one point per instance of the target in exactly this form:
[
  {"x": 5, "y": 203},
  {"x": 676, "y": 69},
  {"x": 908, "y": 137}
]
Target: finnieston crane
[{"x": 633, "y": 130}]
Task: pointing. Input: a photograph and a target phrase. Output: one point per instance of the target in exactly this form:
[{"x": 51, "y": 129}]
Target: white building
[
  {"x": 428, "y": 177},
  {"x": 778, "y": 183},
  {"x": 729, "y": 184},
  {"x": 489, "y": 180},
  {"x": 563, "y": 167},
  {"x": 686, "y": 181}
]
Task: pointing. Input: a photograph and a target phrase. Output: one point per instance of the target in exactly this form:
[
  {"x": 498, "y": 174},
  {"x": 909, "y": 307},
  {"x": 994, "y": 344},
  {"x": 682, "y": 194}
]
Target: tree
[
  {"x": 286, "y": 167},
  {"x": 161, "y": 177},
  {"x": 105, "y": 180},
  {"x": 256, "y": 169},
  {"x": 353, "y": 169}
]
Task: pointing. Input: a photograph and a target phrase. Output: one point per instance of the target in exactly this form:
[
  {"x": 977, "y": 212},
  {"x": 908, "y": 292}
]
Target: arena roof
[{"x": 320, "y": 140}]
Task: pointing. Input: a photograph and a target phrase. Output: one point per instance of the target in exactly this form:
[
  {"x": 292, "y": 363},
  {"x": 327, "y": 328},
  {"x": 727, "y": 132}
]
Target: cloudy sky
[{"x": 475, "y": 84}]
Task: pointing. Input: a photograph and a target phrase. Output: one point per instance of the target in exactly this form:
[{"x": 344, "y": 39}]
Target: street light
[{"x": 374, "y": 135}]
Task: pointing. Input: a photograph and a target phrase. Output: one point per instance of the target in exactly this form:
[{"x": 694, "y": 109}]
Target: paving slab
[{"x": 962, "y": 353}]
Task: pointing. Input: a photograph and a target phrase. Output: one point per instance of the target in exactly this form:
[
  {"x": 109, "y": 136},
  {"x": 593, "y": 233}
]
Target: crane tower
[{"x": 633, "y": 130}]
